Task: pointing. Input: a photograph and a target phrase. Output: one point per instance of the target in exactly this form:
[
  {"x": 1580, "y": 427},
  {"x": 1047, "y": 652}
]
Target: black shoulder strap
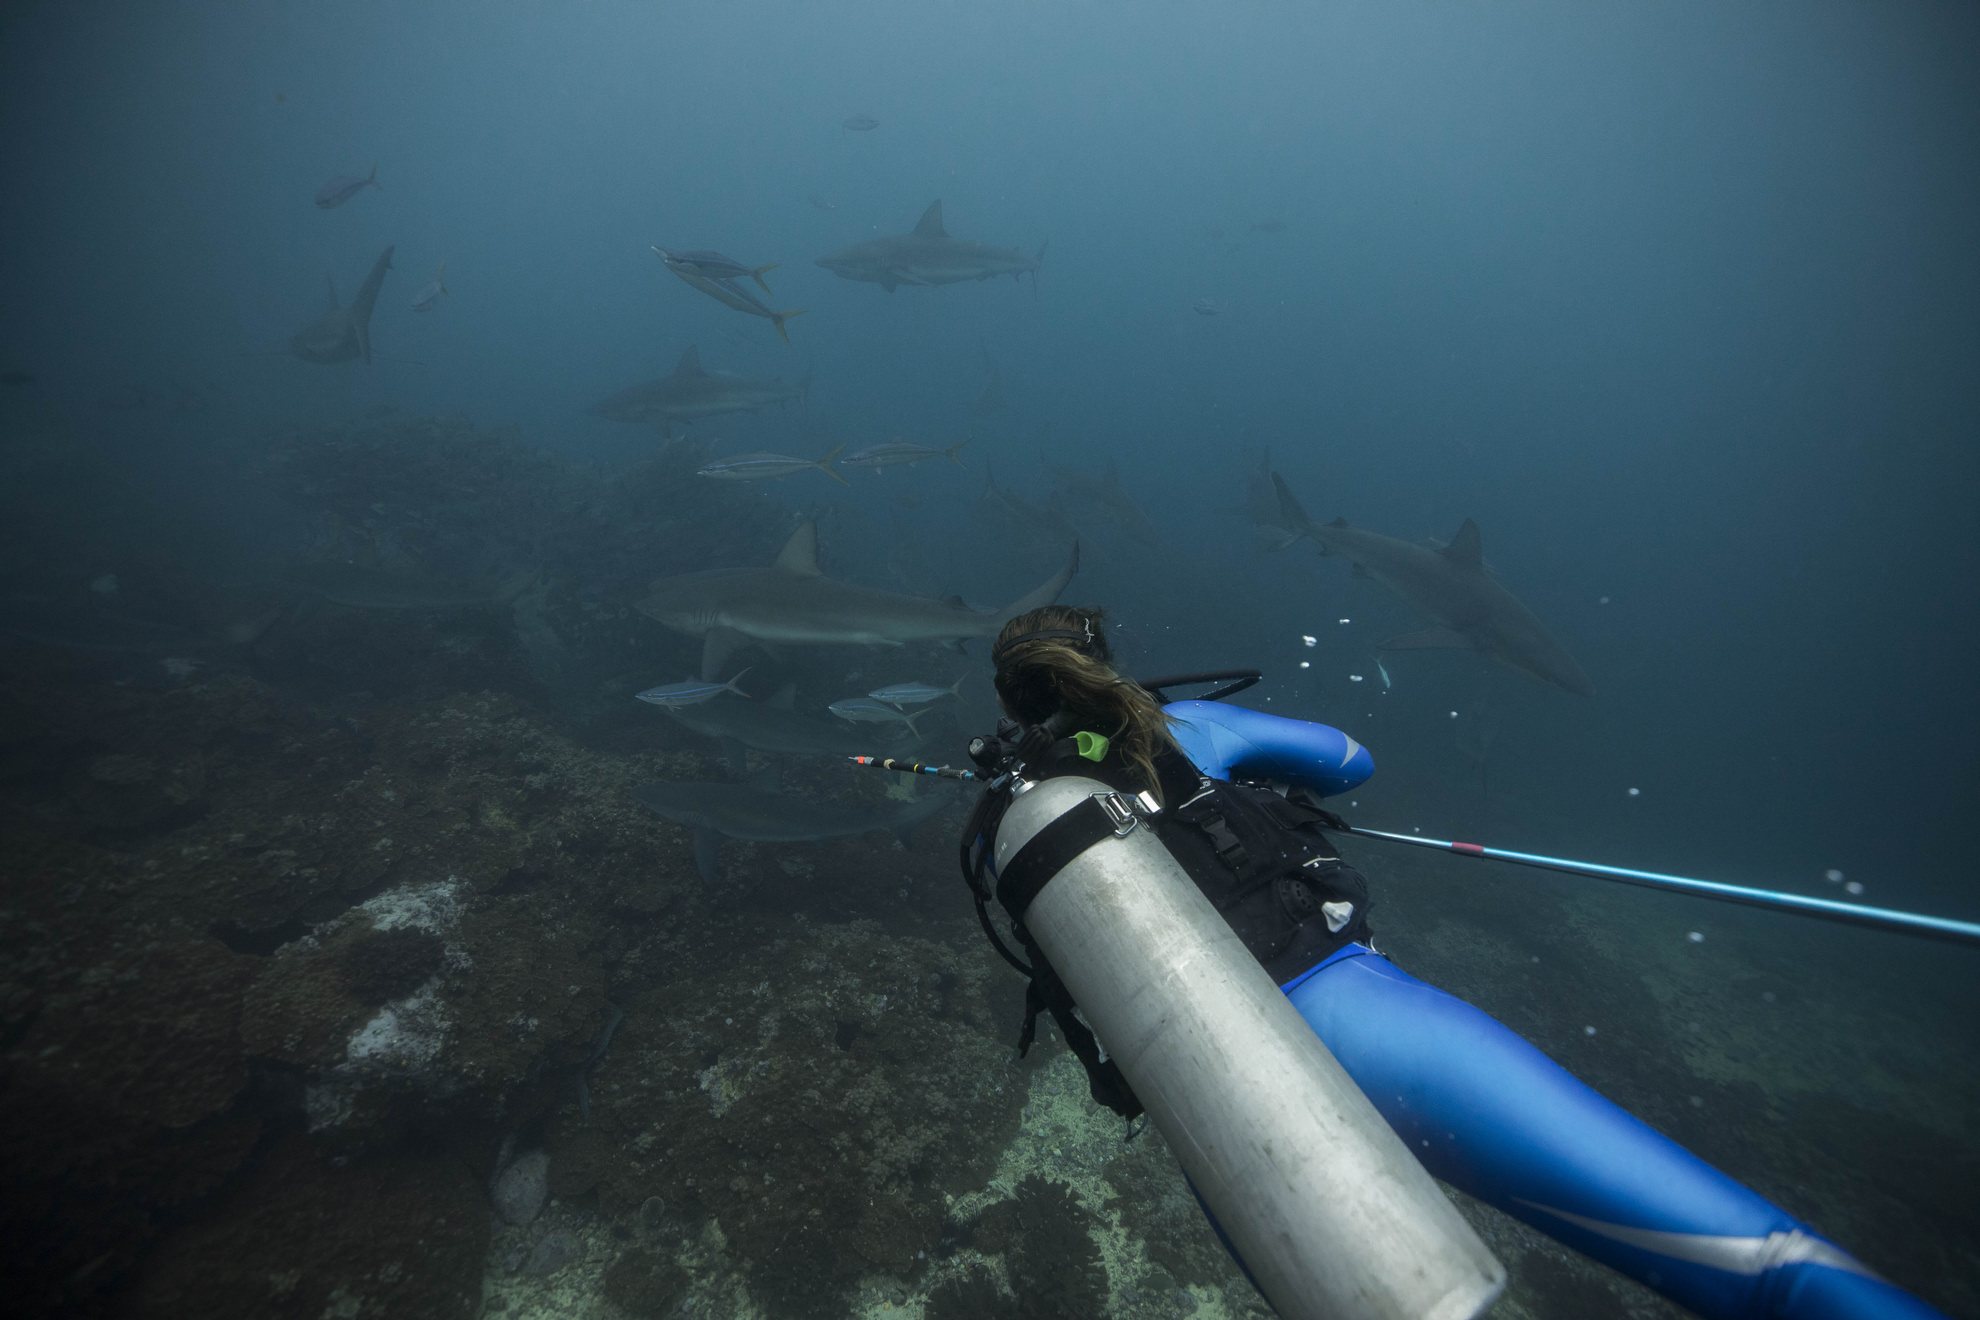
[{"x": 1047, "y": 851}]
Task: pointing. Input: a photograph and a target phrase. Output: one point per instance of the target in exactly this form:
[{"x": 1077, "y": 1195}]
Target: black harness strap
[
  {"x": 983, "y": 915},
  {"x": 1049, "y": 850}
]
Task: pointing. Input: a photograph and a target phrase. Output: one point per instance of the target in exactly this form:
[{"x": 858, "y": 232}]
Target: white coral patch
[
  {"x": 434, "y": 908},
  {"x": 406, "y": 1034}
]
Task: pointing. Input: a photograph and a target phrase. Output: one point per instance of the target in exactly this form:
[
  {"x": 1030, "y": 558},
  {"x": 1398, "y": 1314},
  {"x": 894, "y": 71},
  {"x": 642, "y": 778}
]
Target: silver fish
[
  {"x": 866, "y": 710},
  {"x": 424, "y": 300},
  {"x": 691, "y": 691},
  {"x": 902, "y": 452},
  {"x": 915, "y": 694},
  {"x": 714, "y": 265},
  {"x": 344, "y": 187},
  {"x": 730, "y": 294},
  {"x": 861, "y": 124},
  {"x": 763, "y": 466}
]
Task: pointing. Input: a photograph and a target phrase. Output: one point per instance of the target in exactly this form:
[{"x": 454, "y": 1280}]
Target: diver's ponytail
[{"x": 1057, "y": 659}]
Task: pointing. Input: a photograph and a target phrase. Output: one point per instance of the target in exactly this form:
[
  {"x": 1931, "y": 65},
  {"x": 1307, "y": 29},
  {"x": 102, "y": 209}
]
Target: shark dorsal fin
[
  {"x": 785, "y": 698},
  {"x": 690, "y": 363},
  {"x": 1338, "y": 522},
  {"x": 331, "y": 285},
  {"x": 800, "y": 553},
  {"x": 956, "y": 601},
  {"x": 931, "y": 222},
  {"x": 1464, "y": 548}
]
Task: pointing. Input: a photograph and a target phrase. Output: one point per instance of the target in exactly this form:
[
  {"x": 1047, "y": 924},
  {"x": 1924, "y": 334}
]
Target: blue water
[{"x": 1680, "y": 302}]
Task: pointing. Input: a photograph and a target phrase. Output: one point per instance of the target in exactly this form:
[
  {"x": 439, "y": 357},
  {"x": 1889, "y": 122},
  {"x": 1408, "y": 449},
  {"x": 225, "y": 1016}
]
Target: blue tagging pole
[{"x": 1855, "y": 914}]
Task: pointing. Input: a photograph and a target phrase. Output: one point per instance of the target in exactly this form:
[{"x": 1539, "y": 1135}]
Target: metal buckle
[{"x": 1120, "y": 810}]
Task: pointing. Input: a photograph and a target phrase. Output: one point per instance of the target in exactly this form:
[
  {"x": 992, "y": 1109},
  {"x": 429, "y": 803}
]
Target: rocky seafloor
[
  {"x": 340, "y": 976},
  {"x": 297, "y": 1008}
]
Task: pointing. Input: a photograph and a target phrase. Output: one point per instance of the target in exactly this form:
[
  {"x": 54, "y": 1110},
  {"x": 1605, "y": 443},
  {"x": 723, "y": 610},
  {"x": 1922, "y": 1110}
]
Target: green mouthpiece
[{"x": 1091, "y": 745}]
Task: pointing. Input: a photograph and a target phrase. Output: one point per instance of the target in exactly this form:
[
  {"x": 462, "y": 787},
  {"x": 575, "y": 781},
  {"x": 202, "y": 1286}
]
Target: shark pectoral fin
[
  {"x": 1430, "y": 639},
  {"x": 708, "y": 854},
  {"x": 716, "y": 648}
]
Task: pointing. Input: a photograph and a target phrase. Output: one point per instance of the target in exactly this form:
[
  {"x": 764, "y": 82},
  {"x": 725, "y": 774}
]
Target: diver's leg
[{"x": 1491, "y": 1114}]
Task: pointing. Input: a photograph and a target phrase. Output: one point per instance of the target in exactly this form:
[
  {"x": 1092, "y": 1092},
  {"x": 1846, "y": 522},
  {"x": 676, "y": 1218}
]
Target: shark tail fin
[
  {"x": 825, "y": 463},
  {"x": 953, "y": 449},
  {"x": 778, "y": 318},
  {"x": 757, "y": 275},
  {"x": 1045, "y": 594}
]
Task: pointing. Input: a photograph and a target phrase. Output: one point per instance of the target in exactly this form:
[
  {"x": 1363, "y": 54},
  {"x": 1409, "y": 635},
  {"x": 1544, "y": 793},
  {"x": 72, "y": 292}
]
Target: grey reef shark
[
  {"x": 755, "y": 812},
  {"x": 692, "y": 393},
  {"x": 928, "y": 256},
  {"x": 340, "y": 334},
  {"x": 792, "y": 601},
  {"x": 1451, "y": 585}
]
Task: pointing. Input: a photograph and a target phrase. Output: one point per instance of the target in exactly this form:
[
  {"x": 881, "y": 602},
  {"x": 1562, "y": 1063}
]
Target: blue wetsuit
[{"x": 1487, "y": 1112}]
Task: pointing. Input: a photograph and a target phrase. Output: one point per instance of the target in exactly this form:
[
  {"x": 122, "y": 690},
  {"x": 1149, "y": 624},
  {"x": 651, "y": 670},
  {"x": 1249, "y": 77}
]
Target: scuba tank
[{"x": 1331, "y": 1214}]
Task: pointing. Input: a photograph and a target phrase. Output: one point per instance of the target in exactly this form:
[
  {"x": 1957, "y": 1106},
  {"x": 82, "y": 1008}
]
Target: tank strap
[{"x": 1100, "y": 816}]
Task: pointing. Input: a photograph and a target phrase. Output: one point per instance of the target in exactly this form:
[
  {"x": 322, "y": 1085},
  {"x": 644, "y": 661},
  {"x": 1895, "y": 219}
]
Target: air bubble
[
  {"x": 1354, "y": 678},
  {"x": 1589, "y": 1030},
  {"x": 1306, "y": 664},
  {"x": 1696, "y": 937},
  {"x": 1309, "y": 639},
  {"x": 1853, "y": 887},
  {"x": 1833, "y": 876},
  {"x": 1636, "y": 792}
]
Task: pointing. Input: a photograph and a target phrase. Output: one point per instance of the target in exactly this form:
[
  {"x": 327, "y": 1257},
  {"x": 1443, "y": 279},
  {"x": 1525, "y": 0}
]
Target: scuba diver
[{"x": 1233, "y": 795}]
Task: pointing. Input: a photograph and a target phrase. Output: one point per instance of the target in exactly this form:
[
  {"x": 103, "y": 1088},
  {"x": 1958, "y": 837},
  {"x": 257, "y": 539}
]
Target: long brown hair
[{"x": 1069, "y": 668}]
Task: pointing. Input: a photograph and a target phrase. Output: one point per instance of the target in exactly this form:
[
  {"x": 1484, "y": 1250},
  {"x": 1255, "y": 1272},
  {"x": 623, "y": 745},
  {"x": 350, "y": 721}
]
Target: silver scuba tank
[{"x": 1330, "y": 1212}]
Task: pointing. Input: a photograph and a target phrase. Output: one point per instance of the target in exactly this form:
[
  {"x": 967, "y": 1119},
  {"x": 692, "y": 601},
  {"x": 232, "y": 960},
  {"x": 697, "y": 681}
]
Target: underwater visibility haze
[{"x": 474, "y": 478}]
